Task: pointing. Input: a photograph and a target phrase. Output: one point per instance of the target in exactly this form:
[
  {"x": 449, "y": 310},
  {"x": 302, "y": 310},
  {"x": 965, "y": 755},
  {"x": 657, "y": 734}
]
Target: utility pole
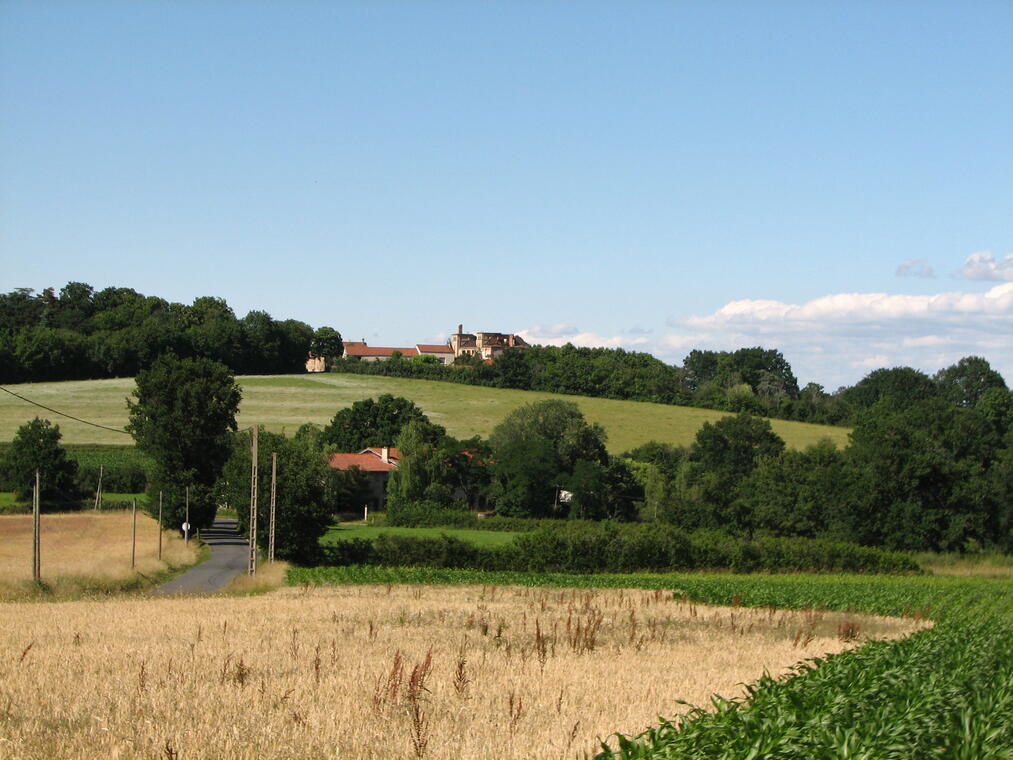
[
  {"x": 160, "y": 525},
  {"x": 186, "y": 530},
  {"x": 36, "y": 529},
  {"x": 133, "y": 533},
  {"x": 274, "y": 502},
  {"x": 98, "y": 490},
  {"x": 252, "y": 567}
]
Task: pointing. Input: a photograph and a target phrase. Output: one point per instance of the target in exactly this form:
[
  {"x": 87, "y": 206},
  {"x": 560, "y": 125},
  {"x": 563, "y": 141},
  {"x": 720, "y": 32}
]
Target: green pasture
[
  {"x": 283, "y": 402},
  {"x": 346, "y": 532}
]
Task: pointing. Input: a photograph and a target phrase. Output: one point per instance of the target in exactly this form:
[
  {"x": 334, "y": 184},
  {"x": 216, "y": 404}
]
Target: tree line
[
  {"x": 80, "y": 333},
  {"x": 755, "y": 380}
]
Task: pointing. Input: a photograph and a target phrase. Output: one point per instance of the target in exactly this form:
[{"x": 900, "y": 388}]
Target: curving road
[{"x": 230, "y": 554}]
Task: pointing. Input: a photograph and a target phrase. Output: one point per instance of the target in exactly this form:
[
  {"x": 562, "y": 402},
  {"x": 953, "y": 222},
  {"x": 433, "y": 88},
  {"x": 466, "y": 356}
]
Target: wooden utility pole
[
  {"x": 133, "y": 533},
  {"x": 187, "y": 531},
  {"x": 98, "y": 490},
  {"x": 274, "y": 502},
  {"x": 252, "y": 567},
  {"x": 160, "y": 525},
  {"x": 36, "y": 529}
]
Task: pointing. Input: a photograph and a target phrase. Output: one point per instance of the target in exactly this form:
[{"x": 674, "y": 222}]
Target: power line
[{"x": 64, "y": 414}]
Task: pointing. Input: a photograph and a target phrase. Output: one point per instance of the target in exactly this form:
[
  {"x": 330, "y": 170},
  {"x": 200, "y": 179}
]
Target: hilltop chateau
[{"x": 485, "y": 345}]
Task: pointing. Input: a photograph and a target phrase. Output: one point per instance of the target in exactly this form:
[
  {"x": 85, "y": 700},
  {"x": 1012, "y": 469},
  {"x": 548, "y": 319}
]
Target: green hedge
[
  {"x": 620, "y": 548},
  {"x": 428, "y": 515}
]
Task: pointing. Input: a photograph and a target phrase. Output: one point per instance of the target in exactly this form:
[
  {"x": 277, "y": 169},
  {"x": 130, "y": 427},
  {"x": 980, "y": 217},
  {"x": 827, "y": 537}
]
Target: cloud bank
[
  {"x": 983, "y": 265},
  {"x": 836, "y": 339}
]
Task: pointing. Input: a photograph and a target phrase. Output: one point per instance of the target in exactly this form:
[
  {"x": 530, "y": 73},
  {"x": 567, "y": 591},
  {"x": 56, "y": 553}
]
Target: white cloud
[
  {"x": 858, "y": 308},
  {"x": 583, "y": 340},
  {"x": 872, "y": 362},
  {"x": 926, "y": 340},
  {"x": 829, "y": 339},
  {"x": 678, "y": 342},
  {"x": 915, "y": 268},
  {"x": 983, "y": 265},
  {"x": 558, "y": 330}
]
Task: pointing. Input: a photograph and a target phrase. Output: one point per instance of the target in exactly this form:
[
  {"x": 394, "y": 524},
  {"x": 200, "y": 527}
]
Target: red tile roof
[
  {"x": 367, "y": 462},
  {"x": 361, "y": 349},
  {"x": 434, "y": 349},
  {"x": 378, "y": 451}
]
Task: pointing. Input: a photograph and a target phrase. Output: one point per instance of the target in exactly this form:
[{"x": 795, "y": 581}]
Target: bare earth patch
[{"x": 382, "y": 671}]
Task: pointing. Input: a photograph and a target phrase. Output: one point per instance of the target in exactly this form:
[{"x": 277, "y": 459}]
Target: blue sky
[{"x": 834, "y": 180}]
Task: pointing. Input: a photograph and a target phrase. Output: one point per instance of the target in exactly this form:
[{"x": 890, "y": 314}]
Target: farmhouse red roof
[
  {"x": 361, "y": 349},
  {"x": 441, "y": 348},
  {"x": 367, "y": 462}
]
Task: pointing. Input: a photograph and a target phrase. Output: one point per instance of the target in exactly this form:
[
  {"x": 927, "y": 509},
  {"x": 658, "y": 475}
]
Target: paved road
[{"x": 229, "y": 556}]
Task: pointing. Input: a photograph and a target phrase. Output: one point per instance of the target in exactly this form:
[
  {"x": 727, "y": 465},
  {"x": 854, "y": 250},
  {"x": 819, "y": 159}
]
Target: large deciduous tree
[
  {"x": 723, "y": 455},
  {"x": 36, "y": 446},
  {"x": 327, "y": 343},
  {"x": 182, "y": 418},
  {"x": 542, "y": 448},
  {"x": 967, "y": 381},
  {"x": 376, "y": 423}
]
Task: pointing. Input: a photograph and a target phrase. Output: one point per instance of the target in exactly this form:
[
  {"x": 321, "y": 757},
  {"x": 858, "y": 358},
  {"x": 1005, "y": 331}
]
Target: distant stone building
[
  {"x": 487, "y": 345},
  {"x": 316, "y": 364}
]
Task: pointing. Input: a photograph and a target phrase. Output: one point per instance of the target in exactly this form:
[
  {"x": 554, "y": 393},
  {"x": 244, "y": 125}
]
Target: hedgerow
[{"x": 589, "y": 547}]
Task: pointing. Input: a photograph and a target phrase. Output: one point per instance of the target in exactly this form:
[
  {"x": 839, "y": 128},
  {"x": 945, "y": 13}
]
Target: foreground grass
[
  {"x": 284, "y": 402},
  {"x": 87, "y": 552},
  {"x": 347, "y": 532},
  {"x": 945, "y": 692},
  {"x": 460, "y": 672},
  {"x": 967, "y": 565}
]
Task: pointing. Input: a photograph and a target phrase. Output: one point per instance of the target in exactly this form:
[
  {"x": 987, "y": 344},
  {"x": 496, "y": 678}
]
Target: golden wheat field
[
  {"x": 380, "y": 671},
  {"x": 85, "y": 548}
]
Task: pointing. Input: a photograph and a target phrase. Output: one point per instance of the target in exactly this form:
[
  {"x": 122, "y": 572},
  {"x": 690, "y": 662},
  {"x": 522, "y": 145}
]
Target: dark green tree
[
  {"x": 327, "y": 343},
  {"x": 36, "y": 446},
  {"x": 921, "y": 477},
  {"x": 967, "y": 381},
  {"x": 513, "y": 369},
  {"x": 536, "y": 451},
  {"x": 904, "y": 385},
  {"x": 798, "y": 493},
  {"x": 709, "y": 484},
  {"x": 182, "y": 418},
  {"x": 423, "y": 470},
  {"x": 302, "y": 512},
  {"x": 376, "y": 423}
]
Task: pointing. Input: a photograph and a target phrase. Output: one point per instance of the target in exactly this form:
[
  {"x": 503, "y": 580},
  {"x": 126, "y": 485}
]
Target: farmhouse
[{"x": 376, "y": 463}]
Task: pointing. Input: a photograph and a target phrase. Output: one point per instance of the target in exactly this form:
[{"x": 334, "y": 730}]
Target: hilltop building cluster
[{"x": 485, "y": 345}]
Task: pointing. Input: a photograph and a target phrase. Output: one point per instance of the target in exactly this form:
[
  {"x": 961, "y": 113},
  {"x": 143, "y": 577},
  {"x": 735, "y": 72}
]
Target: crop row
[{"x": 945, "y": 692}]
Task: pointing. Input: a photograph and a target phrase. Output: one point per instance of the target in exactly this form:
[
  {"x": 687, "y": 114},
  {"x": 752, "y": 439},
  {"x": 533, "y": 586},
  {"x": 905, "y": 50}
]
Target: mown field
[
  {"x": 378, "y": 671},
  {"x": 282, "y": 403}
]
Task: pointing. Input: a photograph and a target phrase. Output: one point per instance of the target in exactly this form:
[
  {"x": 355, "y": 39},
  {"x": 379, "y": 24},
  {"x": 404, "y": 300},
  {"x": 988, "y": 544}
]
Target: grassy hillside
[{"x": 282, "y": 403}]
